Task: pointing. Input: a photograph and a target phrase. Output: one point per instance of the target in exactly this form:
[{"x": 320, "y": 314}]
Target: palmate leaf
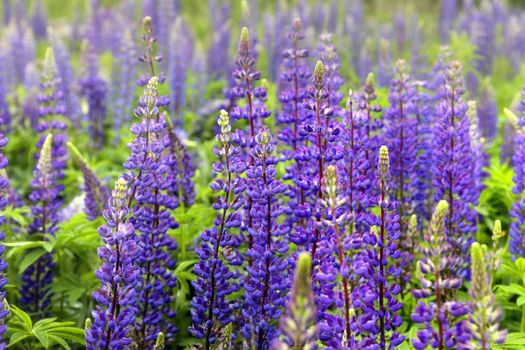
[
  {"x": 47, "y": 332},
  {"x": 515, "y": 341}
]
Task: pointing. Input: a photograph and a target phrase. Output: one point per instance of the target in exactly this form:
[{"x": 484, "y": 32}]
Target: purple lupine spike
[
  {"x": 384, "y": 63},
  {"x": 212, "y": 306},
  {"x": 67, "y": 80},
  {"x": 182, "y": 168},
  {"x": 483, "y": 35},
  {"x": 179, "y": 57},
  {"x": 253, "y": 112},
  {"x": 274, "y": 38},
  {"x": 4, "y": 202},
  {"x": 378, "y": 297},
  {"x": 517, "y": 213},
  {"x": 401, "y": 138},
  {"x": 122, "y": 86},
  {"x": 293, "y": 83},
  {"x": 452, "y": 163},
  {"x": 39, "y": 20},
  {"x": 355, "y": 23},
  {"x": 218, "y": 60},
  {"x": 5, "y": 114},
  {"x": 267, "y": 283},
  {"x": 51, "y": 112},
  {"x": 36, "y": 280},
  {"x": 487, "y": 111},
  {"x": 22, "y": 47},
  {"x": 436, "y": 310},
  {"x": 477, "y": 145},
  {"x": 358, "y": 184},
  {"x": 96, "y": 193},
  {"x": 336, "y": 328},
  {"x": 116, "y": 307},
  {"x": 150, "y": 57},
  {"x": 328, "y": 55},
  {"x": 447, "y": 18},
  {"x": 322, "y": 131},
  {"x": 151, "y": 203},
  {"x": 401, "y": 128},
  {"x": 94, "y": 89},
  {"x": 167, "y": 14},
  {"x": 298, "y": 328}
]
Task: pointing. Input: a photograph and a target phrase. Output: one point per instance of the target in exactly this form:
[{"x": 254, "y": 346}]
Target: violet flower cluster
[
  {"x": 35, "y": 290},
  {"x": 517, "y": 231},
  {"x": 4, "y": 202},
  {"x": 151, "y": 203},
  {"x": 267, "y": 283},
  {"x": 116, "y": 307},
  {"x": 217, "y": 278},
  {"x": 96, "y": 193},
  {"x": 453, "y": 166}
]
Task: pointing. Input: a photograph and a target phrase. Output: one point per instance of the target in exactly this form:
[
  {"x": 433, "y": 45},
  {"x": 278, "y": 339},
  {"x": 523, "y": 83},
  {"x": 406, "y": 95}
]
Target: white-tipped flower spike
[
  {"x": 384, "y": 161},
  {"x": 44, "y": 164}
]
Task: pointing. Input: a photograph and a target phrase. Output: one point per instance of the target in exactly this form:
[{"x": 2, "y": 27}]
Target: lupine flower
[
  {"x": 487, "y": 113},
  {"x": 180, "y": 54},
  {"x": 336, "y": 327},
  {"x": 159, "y": 344},
  {"x": 484, "y": 315},
  {"x": 477, "y": 148},
  {"x": 439, "y": 314},
  {"x": 378, "y": 294},
  {"x": 400, "y": 134},
  {"x": 323, "y": 132},
  {"x": 216, "y": 279},
  {"x": 116, "y": 308},
  {"x": 21, "y": 47},
  {"x": 36, "y": 280},
  {"x": 267, "y": 284},
  {"x": 293, "y": 83},
  {"x": 218, "y": 61},
  {"x": 96, "y": 193},
  {"x": 452, "y": 163},
  {"x": 149, "y": 56},
  {"x": 51, "y": 111},
  {"x": 122, "y": 85},
  {"x": 4, "y": 201},
  {"x": 298, "y": 328},
  {"x": 94, "y": 90},
  {"x": 151, "y": 203},
  {"x": 66, "y": 85},
  {"x": 253, "y": 112},
  {"x": 447, "y": 18},
  {"x": 182, "y": 168},
  {"x": 328, "y": 55},
  {"x": 39, "y": 20},
  {"x": 497, "y": 252},
  {"x": 384, "y": 62},
  {"x": 167, "y": 11},
  {"x": 517, "y": 213}
]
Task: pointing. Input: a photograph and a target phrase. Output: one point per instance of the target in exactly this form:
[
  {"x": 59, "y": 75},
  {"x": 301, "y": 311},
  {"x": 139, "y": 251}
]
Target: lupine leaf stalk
[
  {"x": 484, "y": 316},
  {"x": 217, "y": 278},
  {"x": 96, "y": 193},
  {"x": 440, "y": 316},
  {"x": 297, "y": 326}
]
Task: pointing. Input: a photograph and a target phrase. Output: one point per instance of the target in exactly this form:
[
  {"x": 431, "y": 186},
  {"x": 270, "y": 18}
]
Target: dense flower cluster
[{"x": 517, "y": 237}]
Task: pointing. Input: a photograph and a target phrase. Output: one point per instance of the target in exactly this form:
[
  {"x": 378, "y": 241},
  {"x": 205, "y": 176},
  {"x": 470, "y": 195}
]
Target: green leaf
[
  {"x": 513, "y": 288},
  {"x": 42, "y": 337},
  {"x": 30, "y": 259}
]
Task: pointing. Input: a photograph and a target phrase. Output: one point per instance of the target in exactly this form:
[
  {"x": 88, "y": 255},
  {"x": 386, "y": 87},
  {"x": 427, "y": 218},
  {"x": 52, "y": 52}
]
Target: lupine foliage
[{"x": 350, "y": 175}]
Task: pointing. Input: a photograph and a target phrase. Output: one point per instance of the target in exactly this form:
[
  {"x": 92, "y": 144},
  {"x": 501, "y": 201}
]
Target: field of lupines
[{"x": 342, "y": 174}]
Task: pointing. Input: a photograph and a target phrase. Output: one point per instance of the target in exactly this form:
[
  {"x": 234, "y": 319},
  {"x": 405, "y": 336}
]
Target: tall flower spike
[
  {"x": 116, "y": 306},
  {"x": 297, "y": 326},
  {"x": 151, "y": 204},
  {"x": 292, "y": 91},
  {"x": 436, "y": 310},
  {"x": 484, "y": 315},
  {"x": 453, "y": 165},
  {"x": 254, "y": 110},
  {"x": 181, "y": 165},
  {"x": 267, "y": 284},
  {"x": 517, "y": 213},
  {"x": 36, "y": 280},
  {"x": 4, "y": 201},
  {"x": 96, "y": 193},
  {"x": 94, "y": 89},
  {"x": 336, "y": 327},
  {"x": 212, "y": 305},
  {"x": 378, "y": 297}
]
